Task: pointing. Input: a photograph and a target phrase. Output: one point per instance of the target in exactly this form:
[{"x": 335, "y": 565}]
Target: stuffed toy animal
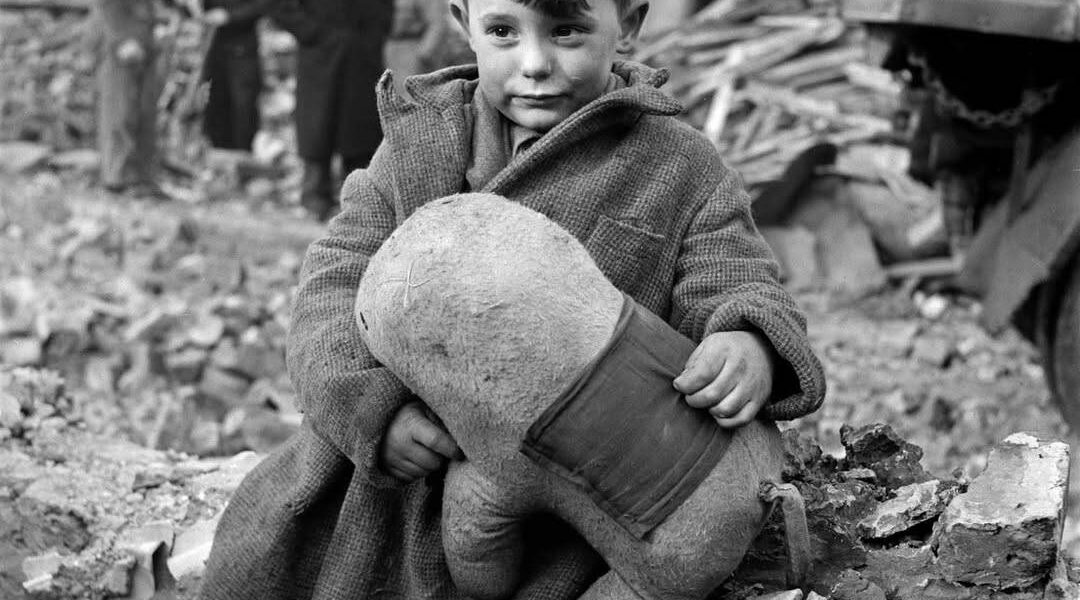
[{"x": 557, "y": 387}]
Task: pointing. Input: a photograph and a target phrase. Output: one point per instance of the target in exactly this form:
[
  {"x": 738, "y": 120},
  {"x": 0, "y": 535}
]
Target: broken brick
[
  {"x": 895, "y": 461},
  {"x": 1005, "y": 530},
  {"x": 910, "y": 505}
]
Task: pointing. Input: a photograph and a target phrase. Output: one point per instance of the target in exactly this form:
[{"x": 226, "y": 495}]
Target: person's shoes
[
  {"x": 148, "y": 191},
  {"x": 322, "y": 211},
  {"x": 139, "y": 191}
]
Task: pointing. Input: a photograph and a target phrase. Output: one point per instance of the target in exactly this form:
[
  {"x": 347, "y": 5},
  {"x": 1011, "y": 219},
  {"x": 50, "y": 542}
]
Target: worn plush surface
[
  {"x": 658, "y": 212},
  {"x": 489, "y": 311}
]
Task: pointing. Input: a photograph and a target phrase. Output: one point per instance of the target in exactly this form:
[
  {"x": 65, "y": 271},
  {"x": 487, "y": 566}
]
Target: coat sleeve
[
  {"x": 296, "y": 18},
  {"x": 727, "y": 279},
  {"x": 348, "y": 397}
]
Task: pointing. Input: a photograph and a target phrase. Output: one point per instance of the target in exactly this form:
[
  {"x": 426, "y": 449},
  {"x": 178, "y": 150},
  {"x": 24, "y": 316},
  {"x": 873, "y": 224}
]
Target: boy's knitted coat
[{"x": 660, "y": 214}]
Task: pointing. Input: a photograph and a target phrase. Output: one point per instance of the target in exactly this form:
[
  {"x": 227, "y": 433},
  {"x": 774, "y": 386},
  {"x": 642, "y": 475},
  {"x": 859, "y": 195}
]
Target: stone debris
[
  {"x": 877, "y": 447},
  {"x": 87, "y": 516},
  {"x": 1005, "y": 530},
  {"x": 853, "y": 586},
  {"x": 785, "y": 595},
  {"x": 796, "y": 251},
  {"x": 19, "y": 157},
  {"x": 847, "y": 249},
  {"x": 932, "y": 351},
  {"x": 157, "y": 318},
  {"x": 886, "y": 536},
  {"x": 910, "y": 505}
]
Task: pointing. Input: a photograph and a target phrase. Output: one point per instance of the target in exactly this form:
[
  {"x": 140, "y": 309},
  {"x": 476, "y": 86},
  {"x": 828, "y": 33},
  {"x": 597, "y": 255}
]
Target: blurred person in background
[
  {"x": 424, "y": 39},
  {"x": 233, "y": 68},
  {"x": 339, "y": 61},
  {"x": 128, "y": 90}
]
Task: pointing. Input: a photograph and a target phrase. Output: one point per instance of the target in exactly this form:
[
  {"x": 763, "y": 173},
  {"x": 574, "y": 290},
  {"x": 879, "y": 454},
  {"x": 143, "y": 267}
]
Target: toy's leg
[
  {"x": 482, "y": 535},
  {"x": 610, "y": 587}
]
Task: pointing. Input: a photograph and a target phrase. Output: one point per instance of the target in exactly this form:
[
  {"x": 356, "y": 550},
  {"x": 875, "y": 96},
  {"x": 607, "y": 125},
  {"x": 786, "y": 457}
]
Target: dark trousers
[
  {"x": 231, "y": 118},
  {"x": 318, "y": 190}
]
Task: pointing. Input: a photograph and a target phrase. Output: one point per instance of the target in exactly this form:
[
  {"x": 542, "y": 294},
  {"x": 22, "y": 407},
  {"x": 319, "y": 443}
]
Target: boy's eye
[
  {"x": 499, "y": 31},
  {"x": 566, "y": 31}
]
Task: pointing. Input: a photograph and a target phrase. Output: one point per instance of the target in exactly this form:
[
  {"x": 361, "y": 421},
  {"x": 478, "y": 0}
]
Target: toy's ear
[
  {"x": 630, "y": 22},
  {"x": 459, "y": 9}
]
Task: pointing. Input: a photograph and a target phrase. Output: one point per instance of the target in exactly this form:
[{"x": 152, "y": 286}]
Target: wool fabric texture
[{"x": 665, "y": 220}]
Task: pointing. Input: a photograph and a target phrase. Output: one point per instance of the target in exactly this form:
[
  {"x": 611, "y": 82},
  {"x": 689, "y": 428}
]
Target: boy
[{"x": 349, "y": 508}]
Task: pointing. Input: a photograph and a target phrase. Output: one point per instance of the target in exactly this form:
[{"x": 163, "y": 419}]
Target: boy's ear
[
  {"x": 630, "y": 23},
  {"x": 459, "y": 9}
]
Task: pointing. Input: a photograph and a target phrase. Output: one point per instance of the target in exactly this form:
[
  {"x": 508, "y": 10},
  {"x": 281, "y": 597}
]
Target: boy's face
[{"x": 537, "y": 68}]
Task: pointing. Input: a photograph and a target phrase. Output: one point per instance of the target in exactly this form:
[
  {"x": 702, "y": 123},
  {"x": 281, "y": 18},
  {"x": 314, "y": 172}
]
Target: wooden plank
[{"x": 69, "y": 5}]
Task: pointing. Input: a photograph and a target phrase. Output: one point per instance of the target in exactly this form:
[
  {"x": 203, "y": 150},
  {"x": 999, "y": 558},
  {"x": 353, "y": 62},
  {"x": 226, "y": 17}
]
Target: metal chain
[{"x": 1034, "y": 100}]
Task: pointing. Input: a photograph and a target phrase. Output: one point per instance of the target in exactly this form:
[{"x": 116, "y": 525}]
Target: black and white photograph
[{"x": 539, "y": 299}]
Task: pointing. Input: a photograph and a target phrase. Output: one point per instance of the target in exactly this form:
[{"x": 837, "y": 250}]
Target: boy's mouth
[{"x": 537, "y": 100}]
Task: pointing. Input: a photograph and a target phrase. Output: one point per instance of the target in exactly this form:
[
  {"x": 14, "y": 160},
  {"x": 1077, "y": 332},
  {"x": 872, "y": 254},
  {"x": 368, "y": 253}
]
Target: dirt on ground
[{"x": 918, "y": 362}]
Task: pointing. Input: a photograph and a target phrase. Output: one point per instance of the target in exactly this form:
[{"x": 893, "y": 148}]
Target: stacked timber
[{"x": 768, "y": 79}]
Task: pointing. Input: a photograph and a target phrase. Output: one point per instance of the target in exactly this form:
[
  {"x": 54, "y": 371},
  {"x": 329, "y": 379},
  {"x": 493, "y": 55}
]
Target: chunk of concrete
[
  {"x": 910, "y": 505},
  {"x": 848, "y": 254},
  {"x": 851, "y": 585},
  {"x": 784, "y": 595},
  {"x": 1005, "y": 530},
  {"x": 20, "y": 157},
  {"x": 895, "y": 461},
  {"x": 795, "y": 249},
  {"x": 79, "y": 159},
  {"x": 933, "y": 351}
]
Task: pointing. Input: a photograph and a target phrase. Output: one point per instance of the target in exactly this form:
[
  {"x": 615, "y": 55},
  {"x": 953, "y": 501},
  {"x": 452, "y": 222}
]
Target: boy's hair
[{"x": 565, "y": 8}]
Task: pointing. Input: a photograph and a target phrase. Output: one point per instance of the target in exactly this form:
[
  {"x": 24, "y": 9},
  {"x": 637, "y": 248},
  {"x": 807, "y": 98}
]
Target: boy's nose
[{"x": 535, "y": 61}]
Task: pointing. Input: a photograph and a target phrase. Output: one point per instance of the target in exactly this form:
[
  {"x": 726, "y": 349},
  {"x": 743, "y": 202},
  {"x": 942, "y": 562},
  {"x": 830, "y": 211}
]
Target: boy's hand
[
  {"x": 730, "y": 374},
  {"x": 415, "y": 446}
]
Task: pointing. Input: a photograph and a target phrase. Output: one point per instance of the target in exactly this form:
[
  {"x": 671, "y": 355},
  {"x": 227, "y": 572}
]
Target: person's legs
[
  {"x": 147, "y": 155},
  {"x": 245, "y": 83},
  {"x": 116, "y": 105},
  {"x": 216, "y": 114},
  {"x": 316, "y": 191}
]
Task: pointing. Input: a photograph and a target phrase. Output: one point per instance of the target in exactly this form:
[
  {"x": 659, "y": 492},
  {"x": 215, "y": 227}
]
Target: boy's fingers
[
  {"x": 746, "y": 414},
  {"x": 434, "y": 438},
  {"x": 423, "y": 458},
  {"x": 696, "y": 373},
  {"x": 730, "y": 404},
  {"x": 406, "y": 470},
  {"x": 718, "y": 388}
]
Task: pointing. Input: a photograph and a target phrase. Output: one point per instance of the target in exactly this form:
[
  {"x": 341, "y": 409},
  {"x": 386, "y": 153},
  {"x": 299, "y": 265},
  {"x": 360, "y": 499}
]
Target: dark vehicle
[{"x": 996, "y": 86}]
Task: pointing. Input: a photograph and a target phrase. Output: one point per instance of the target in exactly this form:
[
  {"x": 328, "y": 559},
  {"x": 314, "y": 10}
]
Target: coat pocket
[{"x": 627, "y": 254}]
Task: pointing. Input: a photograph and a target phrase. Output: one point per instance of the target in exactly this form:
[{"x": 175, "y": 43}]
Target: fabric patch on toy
[{"x": 622, "y": 432}]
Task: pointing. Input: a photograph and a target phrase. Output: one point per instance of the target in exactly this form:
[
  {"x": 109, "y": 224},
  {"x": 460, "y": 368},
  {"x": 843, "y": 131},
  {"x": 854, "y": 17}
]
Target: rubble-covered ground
[
  {"x": 166, "y": 323},
  {"x": 141, "y": 343}
]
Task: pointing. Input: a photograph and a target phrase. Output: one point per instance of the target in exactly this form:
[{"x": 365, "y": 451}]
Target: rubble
[
  {"x": 878, "y": 537},
  {"x": 87, "y": 516},
  {"x": 116, "y": 518},
  {"x": 910, "y": 505},
  {"x": 1004, "y": 531},
  {"x": 895, "y": 461},
  {"x": 156, "y": 322}
]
